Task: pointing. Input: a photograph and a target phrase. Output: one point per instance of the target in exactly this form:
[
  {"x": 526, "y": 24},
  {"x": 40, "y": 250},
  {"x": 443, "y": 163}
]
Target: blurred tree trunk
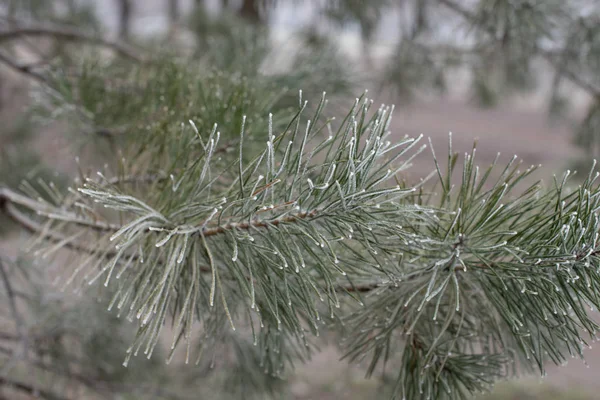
[
  {"x": 173, "y": 17},
  {"x": 12, "y": 10},
  {"x": 174, "y": 10},
  {"x": 72, "y": 6},
  {"x": 125, "y": 7},
  {"x": 224, "y": 4},
  {"x": 250, "y": 11}
]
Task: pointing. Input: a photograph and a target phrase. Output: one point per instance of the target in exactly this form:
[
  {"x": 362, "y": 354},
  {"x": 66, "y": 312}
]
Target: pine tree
[{"x": 236, "y": 211}]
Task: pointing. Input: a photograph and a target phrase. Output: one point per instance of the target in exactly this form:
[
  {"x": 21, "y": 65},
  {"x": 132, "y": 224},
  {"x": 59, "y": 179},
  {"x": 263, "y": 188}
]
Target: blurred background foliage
[{"x": 212, "y": 65}]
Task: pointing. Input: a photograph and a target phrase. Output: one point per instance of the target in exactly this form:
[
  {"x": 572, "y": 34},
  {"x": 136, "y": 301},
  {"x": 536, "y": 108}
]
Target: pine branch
[
  {"x": 549, "y": 56},
  {"x": 8, "y": 198},
  {"x": 318, "y": 228},
  {"x": 283, "y": 220},
  {"x": 464, "y": 283}
]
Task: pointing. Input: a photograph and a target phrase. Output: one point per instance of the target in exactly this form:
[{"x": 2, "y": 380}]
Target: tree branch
[
  {"x": 71, "y": 35},
  {"x": 7, "y": 197},
  {"x": 21, "y": 68},
  {"x": 29, "y": 389},
  {"x": 30, "y": 225},
  {"x": 20, "y": 328},
  {"x": 547, "y": 55},
  {"x": 135, "y": 179},
  {"x": 11, "y": 298},
  {"x": 258, "y": 223}
]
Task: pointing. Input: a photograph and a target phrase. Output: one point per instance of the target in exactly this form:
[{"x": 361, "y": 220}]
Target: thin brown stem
[
  {"x": 9, "y": 196},
  {"x": 96, "y": 383},
  {"x": 258, "y": 223}
]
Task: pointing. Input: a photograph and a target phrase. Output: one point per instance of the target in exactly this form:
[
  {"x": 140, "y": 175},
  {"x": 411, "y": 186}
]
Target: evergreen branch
[
  {"x": 467, "y": 282},
  {"x": 37, "y": 229},
  {"x": 555, "y": 61},
  {"x": 548, "y": 55},
  {"x": 180, "y": 243},
  {"x": 322, "y": 225},
  {"x": 28, "y": 70},
  {"x": 9, "y": 196}
]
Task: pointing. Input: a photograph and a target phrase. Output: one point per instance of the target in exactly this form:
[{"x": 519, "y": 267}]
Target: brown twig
[{"x": 257, "y": 223}]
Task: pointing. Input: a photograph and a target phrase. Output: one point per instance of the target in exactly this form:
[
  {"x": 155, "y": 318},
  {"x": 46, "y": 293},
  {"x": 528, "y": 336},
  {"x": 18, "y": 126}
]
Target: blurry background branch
[
  {"x": 552, "y": 56},
  {"x": 63, "y": 33},
  {"x": 26, "y": 69}
]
